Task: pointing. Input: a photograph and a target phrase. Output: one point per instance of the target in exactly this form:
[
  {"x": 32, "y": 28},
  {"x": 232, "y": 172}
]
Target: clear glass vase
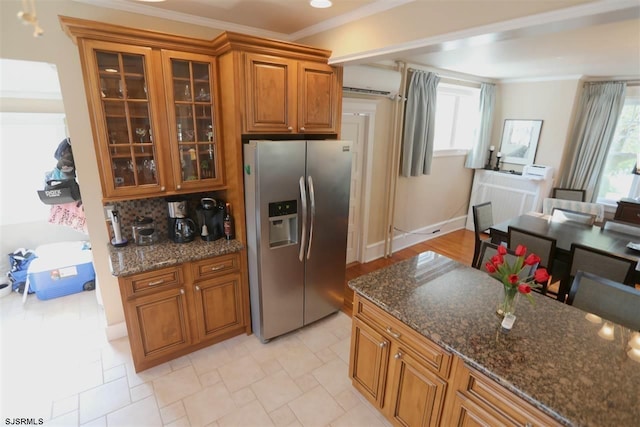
[{"x": 509, "y": 300}]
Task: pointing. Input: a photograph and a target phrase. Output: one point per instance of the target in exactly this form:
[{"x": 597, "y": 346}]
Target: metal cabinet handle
[
  {"x": 398, "y": 355},
  {"x": 182, "y": 291},
  {"x": 290, "y": 128},
  {"x": 383, "y": 344},
  {"x": 528, "y": 425},
  {"x": 197, "y": 288},
  {"x": 217, "y": 267},
  {"x": 157, "y": 282},
  {"x": 392, "y": 333}
]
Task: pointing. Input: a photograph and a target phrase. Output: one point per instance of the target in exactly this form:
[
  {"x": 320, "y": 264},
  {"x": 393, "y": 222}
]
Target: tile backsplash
[{"x": 156, "y": 208}]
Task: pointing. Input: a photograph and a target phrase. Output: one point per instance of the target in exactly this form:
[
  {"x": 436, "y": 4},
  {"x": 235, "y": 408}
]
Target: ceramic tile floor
[{"x": 56, "y": 364}]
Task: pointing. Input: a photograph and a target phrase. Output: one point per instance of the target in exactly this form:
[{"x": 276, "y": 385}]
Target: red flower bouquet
[{"x": 518, "y": 277}]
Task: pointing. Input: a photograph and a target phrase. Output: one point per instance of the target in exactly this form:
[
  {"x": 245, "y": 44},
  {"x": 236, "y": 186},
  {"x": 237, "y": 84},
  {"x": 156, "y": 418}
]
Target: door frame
[{"x": 367, "y": 108}]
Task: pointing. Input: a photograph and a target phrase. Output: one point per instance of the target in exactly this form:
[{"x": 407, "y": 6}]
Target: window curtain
[
  {"x": 420, "y": 116},
  {"x": 598, "y": 112},
  {"x": 477, "y": 156}
]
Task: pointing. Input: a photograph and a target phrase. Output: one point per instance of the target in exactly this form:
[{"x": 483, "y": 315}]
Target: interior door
[{"x": 354, "y": 128}]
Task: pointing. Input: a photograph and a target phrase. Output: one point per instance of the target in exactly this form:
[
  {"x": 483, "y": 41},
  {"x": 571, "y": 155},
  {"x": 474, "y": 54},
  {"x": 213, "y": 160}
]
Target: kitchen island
[{"x": 553, "y": 360}]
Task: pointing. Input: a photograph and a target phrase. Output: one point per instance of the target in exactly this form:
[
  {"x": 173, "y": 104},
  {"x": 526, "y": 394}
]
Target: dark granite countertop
[
  {"x": 552, "y": 358},
  {"x": 133, "y": 259}
]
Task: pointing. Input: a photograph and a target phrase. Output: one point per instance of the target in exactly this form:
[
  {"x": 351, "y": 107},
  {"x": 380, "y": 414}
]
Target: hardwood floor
[{"x": 457, "y": 245}]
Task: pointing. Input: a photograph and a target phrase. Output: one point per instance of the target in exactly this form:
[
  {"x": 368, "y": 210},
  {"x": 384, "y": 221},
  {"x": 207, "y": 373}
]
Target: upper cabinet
[
  {"x": 191, "y": 109},
  {"x": 288, "y": 96},
  {"x": 153, "y": 104},
  {"x": 126, "y": 118}
]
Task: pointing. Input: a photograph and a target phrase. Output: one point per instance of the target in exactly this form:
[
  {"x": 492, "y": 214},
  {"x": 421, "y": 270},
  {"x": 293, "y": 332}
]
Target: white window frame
[
  {"x": 459, "y": 90},
  {"x": 634, "y": 190}
]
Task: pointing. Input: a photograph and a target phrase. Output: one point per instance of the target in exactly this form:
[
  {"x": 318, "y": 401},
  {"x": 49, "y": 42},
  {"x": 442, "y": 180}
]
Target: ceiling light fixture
[{"x": 321, "y": 4}]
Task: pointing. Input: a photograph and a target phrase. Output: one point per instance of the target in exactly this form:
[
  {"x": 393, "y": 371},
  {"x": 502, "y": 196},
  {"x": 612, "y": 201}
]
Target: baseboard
[
  {"x": 404, "y": 240},
  {"x": 114, "y": 332}
]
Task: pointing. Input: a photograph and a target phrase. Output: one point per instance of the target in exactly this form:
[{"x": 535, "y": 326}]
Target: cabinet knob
[
  {"x": 398, "y": 355},
  {"x": 182, "y": 291},
  {"x": 302, "y": 129},
  {"x": 163, "y": 188},
  {"x": 393, "y": 333},
  {"x": 383, "y": 344},
  {"x": 178, "y": 187},
  {"x": 290, "y": 128},
  {"x": 197, "y": 288}
]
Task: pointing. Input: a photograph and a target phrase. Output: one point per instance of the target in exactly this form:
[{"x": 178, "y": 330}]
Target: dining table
[{"x": 568, "y": 232}]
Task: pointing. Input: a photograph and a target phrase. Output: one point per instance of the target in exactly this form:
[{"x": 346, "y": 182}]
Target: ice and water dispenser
[{"x": 283, "y": 223}]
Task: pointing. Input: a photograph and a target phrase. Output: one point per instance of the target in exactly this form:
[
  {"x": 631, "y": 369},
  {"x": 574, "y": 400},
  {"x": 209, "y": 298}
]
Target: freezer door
[
  {"x": 278, "y": 170},
  {"x": 328, "y": 183}
]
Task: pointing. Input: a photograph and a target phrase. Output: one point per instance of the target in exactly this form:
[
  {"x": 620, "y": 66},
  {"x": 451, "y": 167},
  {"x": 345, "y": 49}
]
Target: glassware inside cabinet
[
  {"x": 193, "y": 106},
  {"x": 127, "y": 115}
]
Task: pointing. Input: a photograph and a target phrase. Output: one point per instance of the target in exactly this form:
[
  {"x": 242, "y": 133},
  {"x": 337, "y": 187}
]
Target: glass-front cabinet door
[
  {"x": 192, "y": 111},
  {"x": 125, "y": 116}
]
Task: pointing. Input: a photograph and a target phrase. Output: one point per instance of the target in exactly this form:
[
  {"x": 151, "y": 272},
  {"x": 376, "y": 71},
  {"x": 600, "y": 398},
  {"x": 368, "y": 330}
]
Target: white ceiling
[{"x": 597, "y": 45}]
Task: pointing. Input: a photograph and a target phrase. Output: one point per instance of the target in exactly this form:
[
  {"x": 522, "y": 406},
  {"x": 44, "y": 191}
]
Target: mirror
[{"x": 520, "y": 140}]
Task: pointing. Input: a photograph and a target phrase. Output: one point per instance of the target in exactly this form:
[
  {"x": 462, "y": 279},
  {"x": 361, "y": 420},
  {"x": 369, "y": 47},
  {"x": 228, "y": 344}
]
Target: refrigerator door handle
[
  {"x": 312, "y": 197},
  {"x": 303, "y": 198}
]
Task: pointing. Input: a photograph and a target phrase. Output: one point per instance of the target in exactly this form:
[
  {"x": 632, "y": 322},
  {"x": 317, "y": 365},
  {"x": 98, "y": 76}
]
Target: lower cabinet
[
  {"x": 402, "y": 377},
  {"x": 414, "y": 382},
  {"x": 175, "y": 310}
]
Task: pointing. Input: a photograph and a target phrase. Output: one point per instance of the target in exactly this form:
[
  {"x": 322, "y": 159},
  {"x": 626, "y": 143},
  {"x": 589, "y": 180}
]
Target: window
[
  {"x": 618, "y": 181},
  {"x": 457, "y": 117}
]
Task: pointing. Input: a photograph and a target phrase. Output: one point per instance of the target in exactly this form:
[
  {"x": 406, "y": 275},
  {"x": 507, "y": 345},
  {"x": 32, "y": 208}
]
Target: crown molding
[{"x": 575, "y": 77}]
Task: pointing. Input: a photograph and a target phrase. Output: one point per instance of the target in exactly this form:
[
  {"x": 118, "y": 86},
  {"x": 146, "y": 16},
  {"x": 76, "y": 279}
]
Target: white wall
[
  {"x": 553, "y": 102},
  {"x": 17, "y": 42}
]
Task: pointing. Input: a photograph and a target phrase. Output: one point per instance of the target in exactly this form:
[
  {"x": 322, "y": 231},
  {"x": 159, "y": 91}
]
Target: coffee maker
[
  {"x": 210, "y": 214},
  {"x": 181, "y": 228}
]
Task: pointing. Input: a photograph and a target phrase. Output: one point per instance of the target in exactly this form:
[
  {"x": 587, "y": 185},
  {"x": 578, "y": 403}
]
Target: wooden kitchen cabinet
[
  {"x": 387, "y": 367},
  {"x": 175, "y": 310},
  {"x": 218, "y": 297},
  {"x": 480, "y": 401},
  {"x": 154, "y": 110},
  {"x": 414, "y": 382},
  {"x": 288, "y": 96},
  {"x": 192, "y": 109},
  {"x": 157, "y": 319},
  {"x": 368, "y": 362},
  {"x": 126, "y": 117}
]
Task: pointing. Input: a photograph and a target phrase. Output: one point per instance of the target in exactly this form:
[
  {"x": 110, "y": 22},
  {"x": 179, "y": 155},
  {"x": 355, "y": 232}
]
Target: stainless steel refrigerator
[{"x": 297, "y": 204}]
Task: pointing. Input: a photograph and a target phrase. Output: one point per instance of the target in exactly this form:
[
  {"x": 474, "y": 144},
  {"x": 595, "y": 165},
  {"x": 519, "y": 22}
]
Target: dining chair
[
  {"x": 569, "y": 194},
  {"x": 564, "y": 215},
  {"x": 543, "y": 246},
  {"x": 606, "y": 298},
  {"x": 621, "y": 227},
  {"x": 482, "y": 220},
  {"x": 599, "y": 262}
]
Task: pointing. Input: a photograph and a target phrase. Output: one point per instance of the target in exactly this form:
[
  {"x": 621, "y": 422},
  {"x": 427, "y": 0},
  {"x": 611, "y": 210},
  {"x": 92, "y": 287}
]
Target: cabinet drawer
[
  {"x": 157, "y": 279},
  {"x": 213, "y": 267},
  {"x": 433, "y": 357},
  {"x": 497, "y": 401}
]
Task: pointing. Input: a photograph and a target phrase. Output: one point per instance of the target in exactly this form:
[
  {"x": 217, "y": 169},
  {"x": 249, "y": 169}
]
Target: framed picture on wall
[{"x": 520, "y": 141}]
